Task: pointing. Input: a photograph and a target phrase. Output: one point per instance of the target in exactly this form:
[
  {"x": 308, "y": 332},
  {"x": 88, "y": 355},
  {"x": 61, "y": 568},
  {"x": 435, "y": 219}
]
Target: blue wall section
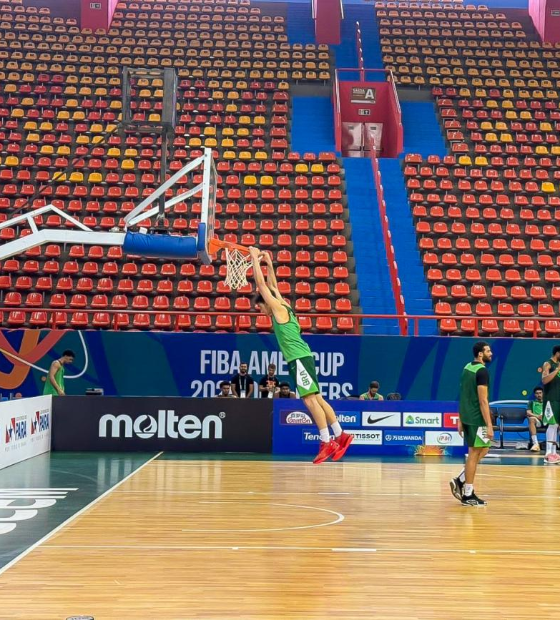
[
  {"x": 181, "y": 364},
  {"x": 376, "y": 295},
  {"x": 300, "y": 24},
  {"x": 312, "y": 124},
  {"x": 422, "y": 130},
  {"x": 411, "y": 273}
]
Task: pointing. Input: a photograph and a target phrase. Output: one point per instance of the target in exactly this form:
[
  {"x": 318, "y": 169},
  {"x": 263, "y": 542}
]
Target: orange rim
[{"x": 215, "y": 245}]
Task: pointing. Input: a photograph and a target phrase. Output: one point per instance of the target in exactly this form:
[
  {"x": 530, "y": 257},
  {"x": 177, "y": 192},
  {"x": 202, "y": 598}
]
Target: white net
[{"x": 237, "y": 265}]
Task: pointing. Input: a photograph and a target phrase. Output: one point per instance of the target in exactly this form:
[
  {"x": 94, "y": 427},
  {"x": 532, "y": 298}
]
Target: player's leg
[
  {"x": 342, "y": 439},
  {"x": 551, "y": 455},
  {"x": 328, "y": 447},
  {"x": 478, "y": 449},
  {"x": 533, "y": 422}
]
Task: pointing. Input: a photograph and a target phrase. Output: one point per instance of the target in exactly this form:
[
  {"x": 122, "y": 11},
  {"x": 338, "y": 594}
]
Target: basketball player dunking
[{"x": 301, "y": 362}]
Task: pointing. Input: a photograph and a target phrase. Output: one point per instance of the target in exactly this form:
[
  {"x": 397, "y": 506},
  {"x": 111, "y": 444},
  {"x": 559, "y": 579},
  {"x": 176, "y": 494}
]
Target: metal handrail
[
  {"x": 388, "y": 243},
  {"x": 415, "y": 319}
]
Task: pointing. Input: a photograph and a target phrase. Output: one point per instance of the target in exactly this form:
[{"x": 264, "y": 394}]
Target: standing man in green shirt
[
  {"x": 54, "y": 385},
  {"x": 534, "y": 416},
  {"x": 551, "y": 404},
  {"x": 475, "y": 422},
  {"x": 301, "y": 363}
]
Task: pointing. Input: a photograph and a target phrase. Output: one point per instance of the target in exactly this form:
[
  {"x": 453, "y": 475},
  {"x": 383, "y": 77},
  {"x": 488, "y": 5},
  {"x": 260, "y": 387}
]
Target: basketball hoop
[{"x": 238, "y": 262}]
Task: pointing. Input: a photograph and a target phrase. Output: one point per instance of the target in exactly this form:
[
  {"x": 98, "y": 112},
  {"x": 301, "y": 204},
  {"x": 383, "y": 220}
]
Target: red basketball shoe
[
  {"x": 328, "y": 448},
  {"x": 343, "y": 442}
]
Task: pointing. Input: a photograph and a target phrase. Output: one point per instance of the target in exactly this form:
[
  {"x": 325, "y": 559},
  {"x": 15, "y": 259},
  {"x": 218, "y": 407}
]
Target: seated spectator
[
  {"x": 225, "y": 387},
  {"x": 268, "y": 385},
  {"x": 242, "y": 382},
  {"x": 372, "y": 393},
  {"x": 534, "y": 416},
  {"x": 285, "y": 391},
  {"x": 394, "y": 396}
]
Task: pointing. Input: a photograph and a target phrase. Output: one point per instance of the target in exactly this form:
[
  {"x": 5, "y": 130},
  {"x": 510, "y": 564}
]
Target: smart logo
[
  {"x": 430, "y": 420},
  {"x": 16, "y": 429},
  {"x": 40, "y": 422}
]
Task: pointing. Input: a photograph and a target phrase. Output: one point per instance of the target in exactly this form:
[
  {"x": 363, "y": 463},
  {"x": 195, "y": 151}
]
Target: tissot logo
[{"x": 167, "y": 424}]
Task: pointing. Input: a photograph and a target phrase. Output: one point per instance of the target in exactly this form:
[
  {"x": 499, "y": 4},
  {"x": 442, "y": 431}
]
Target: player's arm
[
  {"x": 547, "y": 373},
  {"x": 482, "y": 381},
  {"x": 55, "y": 367},
  {"x": 271, "y": 281},
  {"x": 275, "y": 304}
]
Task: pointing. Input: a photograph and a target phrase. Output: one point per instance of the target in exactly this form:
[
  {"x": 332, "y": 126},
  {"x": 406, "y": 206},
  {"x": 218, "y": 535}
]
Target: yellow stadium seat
[
  {"x": 481, "y": 161},
  {"x": 245, "y": 155},
  {"x": 228, "y": 143},
  {"x": 267, "y": 180},
  {"x": 12, "y": 161},
  {"x": 465, "y": 160},
  {"x": 95, "y": 177},
  {"x": 228, "y": 154},
  {"x": 548, "y": 187},
  {"x": 128, "y": 164},
  {"x": 76, "y": 177},
  {"x": 541, "y": 150},
  {"x": 250, "y": 180},
  {"x": 261, "y": 155},
  {"x": 507, "y": 138}
]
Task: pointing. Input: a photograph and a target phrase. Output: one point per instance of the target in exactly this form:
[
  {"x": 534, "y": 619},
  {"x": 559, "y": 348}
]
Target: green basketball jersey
[
  {"x": 535, "y": 407},
  {"x": 49, "y": 387},
  {"x": 551, "y": 390},
  {"x": 469, "y": 405},
  {"x": 289, "y": 337}
]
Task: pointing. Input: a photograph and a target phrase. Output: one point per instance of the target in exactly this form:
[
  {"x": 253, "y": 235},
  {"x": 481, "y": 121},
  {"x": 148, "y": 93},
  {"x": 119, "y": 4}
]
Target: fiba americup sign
[
  {"x": 25, "y": 429},
  {"x": 174, "y": 424}
]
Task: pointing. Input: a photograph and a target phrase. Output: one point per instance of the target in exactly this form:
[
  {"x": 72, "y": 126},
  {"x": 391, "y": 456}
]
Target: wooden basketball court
[{"x": 267, "y": 540}]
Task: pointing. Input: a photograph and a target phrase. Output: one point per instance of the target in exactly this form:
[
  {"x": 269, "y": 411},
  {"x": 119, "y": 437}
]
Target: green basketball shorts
[
  {"x": 302, "y": 371},
  {"x": 476, "y": 436},
  {"x": 551, "y": 412}
]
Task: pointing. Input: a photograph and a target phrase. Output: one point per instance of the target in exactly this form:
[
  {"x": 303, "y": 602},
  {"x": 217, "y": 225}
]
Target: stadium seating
[
  {"x": 60, "y": 102},
  {"x": 487, "y": 214}
]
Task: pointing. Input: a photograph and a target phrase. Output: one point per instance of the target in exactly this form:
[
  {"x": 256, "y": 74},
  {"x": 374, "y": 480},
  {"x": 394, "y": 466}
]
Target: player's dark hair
[
  {"x": 539, "y": 388},
  {"x": 284, "y": 384},
  {"x": 224, "y": 383},
  {"x": 556, "y": 349},
  {"x": 479, "y": 347},
  {"x": 68, "y": 353},
  {"x": 374, "y": 384}
]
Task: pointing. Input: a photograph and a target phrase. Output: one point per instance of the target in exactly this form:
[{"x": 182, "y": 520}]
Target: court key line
[
  {"x": 339, "y": 518},
  {"x": 429, "y": 550},
  {"x": 57, "y": 529}
]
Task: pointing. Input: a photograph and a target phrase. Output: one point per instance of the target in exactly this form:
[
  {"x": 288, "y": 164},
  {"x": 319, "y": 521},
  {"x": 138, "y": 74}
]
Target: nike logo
[{"x": 372, "y": 420}]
